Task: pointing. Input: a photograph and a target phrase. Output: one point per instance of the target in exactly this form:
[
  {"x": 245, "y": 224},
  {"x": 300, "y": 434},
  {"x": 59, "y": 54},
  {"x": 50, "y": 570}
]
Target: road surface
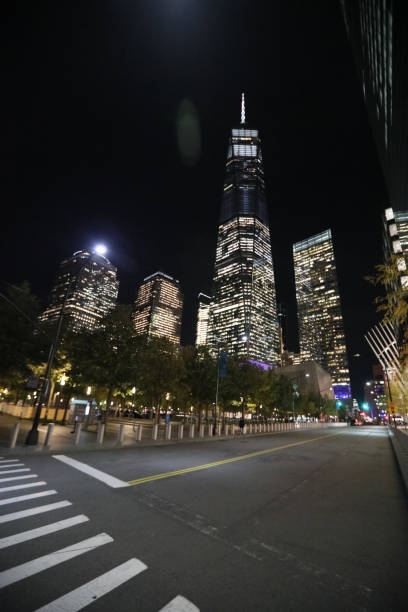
[{"x": 303, "y": 520}]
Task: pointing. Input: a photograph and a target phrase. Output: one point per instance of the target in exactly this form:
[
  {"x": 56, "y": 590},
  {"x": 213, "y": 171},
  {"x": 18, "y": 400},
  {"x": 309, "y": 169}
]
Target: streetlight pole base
[{"x": 32, "y": 437}]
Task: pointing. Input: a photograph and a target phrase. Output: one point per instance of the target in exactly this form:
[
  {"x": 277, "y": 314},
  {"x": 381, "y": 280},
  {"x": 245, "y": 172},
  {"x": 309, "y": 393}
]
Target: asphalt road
[{"x": 312, "y": 520}]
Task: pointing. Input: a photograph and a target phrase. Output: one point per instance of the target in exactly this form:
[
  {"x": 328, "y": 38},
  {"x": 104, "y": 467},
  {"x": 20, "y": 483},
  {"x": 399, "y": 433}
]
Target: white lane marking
[
  {"x": 13, "y": 465},
  {"x": 23, "y": 536},
  {"x": 180, "y": 604},
  {"x": 22, "y": 486},
  {"x": 9, "y": 460},
  {"x": 18, "y": 477},
  {"x": 14, "y": 471},
  {"x": 19, "y": 572},
  {"x": 111, "y": 481},
  {"x": 20, "y": 498},
  {"x": 86, "y": 594},
  {"x": 13, "y": 516}
]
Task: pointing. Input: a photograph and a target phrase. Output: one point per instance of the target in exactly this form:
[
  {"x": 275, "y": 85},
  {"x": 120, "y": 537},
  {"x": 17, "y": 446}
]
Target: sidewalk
[{"x": 399, "y": 441}]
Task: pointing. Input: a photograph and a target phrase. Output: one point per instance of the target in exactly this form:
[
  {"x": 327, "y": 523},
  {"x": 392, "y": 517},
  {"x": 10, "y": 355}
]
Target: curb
[
  {"x": 401, "y": 458},
  {"x": 41, "y": 451}
]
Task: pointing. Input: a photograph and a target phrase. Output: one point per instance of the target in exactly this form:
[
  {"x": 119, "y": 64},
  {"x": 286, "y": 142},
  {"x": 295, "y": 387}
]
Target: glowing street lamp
[
  {"x": 100, "y": 249},
  {"x": 88, "y": 391}
]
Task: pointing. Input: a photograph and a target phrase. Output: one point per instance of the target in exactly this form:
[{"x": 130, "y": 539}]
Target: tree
[
  {"x": 20, "y": 344},
  {"x": 161, "y": 372},
  {"x": 199, "y": 379}
]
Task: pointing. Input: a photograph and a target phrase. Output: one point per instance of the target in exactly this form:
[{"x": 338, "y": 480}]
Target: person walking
[{"x": 242, "y": 425}]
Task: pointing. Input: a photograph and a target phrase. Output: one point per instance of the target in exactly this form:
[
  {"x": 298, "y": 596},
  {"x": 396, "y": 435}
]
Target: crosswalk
[{"x": 86, "y": 594}]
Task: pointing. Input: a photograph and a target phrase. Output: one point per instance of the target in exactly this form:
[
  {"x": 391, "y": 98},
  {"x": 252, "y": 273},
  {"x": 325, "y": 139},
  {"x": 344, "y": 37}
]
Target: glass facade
[
  {"x": 321, "y": 333},
  {"x": 203, "y": 316},
  {"x": 89, "y": 283},
  {"x": 159, "y": 307},
  {"x": 243, "y": 314}
]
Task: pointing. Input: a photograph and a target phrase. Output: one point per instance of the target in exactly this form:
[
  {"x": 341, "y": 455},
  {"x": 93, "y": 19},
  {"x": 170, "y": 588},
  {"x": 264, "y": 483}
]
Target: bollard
[
  {"x": 219, "y": 427},
  {"x": 47, "y": 441},
  {"x": 121, "y": 433},
  {"x": 101, "y": 433},
  {"x": 168, "y": 431},
  {"x": 226, "y": 429},
  {"x": 139, "y": 432},
  {"x": 249, "y": 428},
  {"x": 210, "y": 430},
  {"x": 78, "y": 427},
  {"x": 201, "y": 431},
  {"x": 155, "y": 432},
  {"x": 180, "y": 431},
  {"x": 191, "y": 431},
  {"x": 14, "y": 434},
  {"x": 232, "y": 429}
]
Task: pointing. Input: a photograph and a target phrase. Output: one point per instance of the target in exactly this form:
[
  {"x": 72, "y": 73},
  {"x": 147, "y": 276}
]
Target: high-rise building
[
  {"x": 159, "y": 307},
  {"x": 321, "y": 332},
  {"x": 377, "y": 30},
  {"x": 203, "y": 315},
  {"x": 86, "y": 287},
  {"x": 243, "y": 315}
]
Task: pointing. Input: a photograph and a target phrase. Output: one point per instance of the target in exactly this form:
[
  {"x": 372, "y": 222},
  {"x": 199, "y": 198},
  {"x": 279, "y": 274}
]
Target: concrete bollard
[
  {"x": 249, "y": 428},
  {"x": 47, "y": 441},
  {"x": 191, "y": 431},
  {"x": 101, "y": 433},
  {"x": 168, "y": 431},
  {"x": 210, "y": 430},
  {"x": 180, "y": 431},
  {"x": 121, "y": 433},
  {"x": 201, "y": 430},
  {"x": 139, "y": 432},
  {"x": 77, "y": 433},
  {"x": 226, "y": 430},
  {"x": 232, "y": 429},
  {"x": 14, "y": 434},
  {"x": 219, "y": 427},
  {"x": 155, "y": 431}
]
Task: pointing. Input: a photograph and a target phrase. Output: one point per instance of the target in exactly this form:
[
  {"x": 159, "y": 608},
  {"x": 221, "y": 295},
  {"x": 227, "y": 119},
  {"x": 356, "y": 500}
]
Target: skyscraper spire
[{"x": 242, "y": 109}]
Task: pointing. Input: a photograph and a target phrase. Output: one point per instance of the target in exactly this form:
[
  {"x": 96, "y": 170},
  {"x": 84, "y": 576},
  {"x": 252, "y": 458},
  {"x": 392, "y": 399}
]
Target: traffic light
[
  {"x": 339, "y": 404},
  {"x": 365, "y": 407}
]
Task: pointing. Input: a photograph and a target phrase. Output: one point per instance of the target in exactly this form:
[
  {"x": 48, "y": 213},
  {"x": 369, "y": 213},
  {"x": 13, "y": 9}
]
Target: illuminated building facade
[
  {"x": 87, "y": 283},
  {"x": 243, "y": 314},
  {"x": 377, "y": 30},
  {"x": 203, "y": 315},
  {"x": 159, "y": 307},
  {"x": 321, "y": 333},
  {"x": 374, "y": 394}
]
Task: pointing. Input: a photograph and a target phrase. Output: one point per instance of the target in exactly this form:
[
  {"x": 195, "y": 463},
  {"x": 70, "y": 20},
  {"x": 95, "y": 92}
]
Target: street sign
[
  {"x": 222, "y": 364},
  {"x": 32, "y": 382}
]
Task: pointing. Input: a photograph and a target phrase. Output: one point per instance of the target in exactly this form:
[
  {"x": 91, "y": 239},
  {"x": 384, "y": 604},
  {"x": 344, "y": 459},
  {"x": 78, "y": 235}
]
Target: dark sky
[{"x": 91, "y": 147}]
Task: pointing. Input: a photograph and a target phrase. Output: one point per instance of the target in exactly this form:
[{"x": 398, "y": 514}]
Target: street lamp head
[{"x": 100, "y": 249}]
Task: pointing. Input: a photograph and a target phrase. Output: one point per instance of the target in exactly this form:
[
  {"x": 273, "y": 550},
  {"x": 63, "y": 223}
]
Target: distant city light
[{"x": 100, "y": 249}]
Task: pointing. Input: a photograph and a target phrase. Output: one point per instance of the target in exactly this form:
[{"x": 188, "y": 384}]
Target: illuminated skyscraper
[
  {"x": 203, "y": 314},
  {"x": 243, "y": 315},
  {"x": 321, "y": 332},
  {"x": 88, "y": 285},
  {"x": 159, "y": 307}
]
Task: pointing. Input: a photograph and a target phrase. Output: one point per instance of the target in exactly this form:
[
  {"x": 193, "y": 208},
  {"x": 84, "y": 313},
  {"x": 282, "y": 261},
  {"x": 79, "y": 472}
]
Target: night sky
[{"x": 95, "y": 142}]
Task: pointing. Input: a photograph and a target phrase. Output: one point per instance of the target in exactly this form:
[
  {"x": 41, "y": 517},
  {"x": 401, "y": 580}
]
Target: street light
[{"x": 100, "y": 249}]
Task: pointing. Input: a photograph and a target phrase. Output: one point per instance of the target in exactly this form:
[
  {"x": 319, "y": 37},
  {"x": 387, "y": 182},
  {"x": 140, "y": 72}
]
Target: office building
[
  {"x": 159, "y": 307},
  {"x": 203, "y": 315},
  {"x": 377, "y": 31},
  {"x": 86, "y": 288},
  {"x": 243, "y": 314},
  {"x": 320, "y": 320},
  {"x": 375, "y": 394}
]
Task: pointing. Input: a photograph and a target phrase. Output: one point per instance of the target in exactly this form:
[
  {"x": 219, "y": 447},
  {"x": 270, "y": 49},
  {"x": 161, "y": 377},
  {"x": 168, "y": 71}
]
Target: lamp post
[{"x": 32, "y": 437}]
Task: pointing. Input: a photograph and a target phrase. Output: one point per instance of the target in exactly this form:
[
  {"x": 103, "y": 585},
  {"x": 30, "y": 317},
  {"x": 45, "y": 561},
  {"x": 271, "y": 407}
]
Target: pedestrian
[{"x": 242, "y": 425}]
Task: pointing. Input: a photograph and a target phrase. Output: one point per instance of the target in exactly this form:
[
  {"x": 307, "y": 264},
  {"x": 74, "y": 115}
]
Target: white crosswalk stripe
[
  {"x": 41, "y": 483},
  {"x": 180, "y": 604},
  {"x": 20, "y": 498},
  {"x": 31, "y": 534},
  {"x": 5, "y": 518},
  {"x": 14, "y": 471},
  {"x": 18, "y": 477},
  {"x": 86, "y": 594},
  {"x": 9, "y": 460},
  {"x": 11, "y": 465},
  {"x": 59, "y": 556}
]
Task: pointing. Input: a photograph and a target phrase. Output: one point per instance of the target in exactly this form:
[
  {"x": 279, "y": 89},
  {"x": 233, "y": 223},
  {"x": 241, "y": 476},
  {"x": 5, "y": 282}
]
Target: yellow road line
[{"x": 231, "y": 460}]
